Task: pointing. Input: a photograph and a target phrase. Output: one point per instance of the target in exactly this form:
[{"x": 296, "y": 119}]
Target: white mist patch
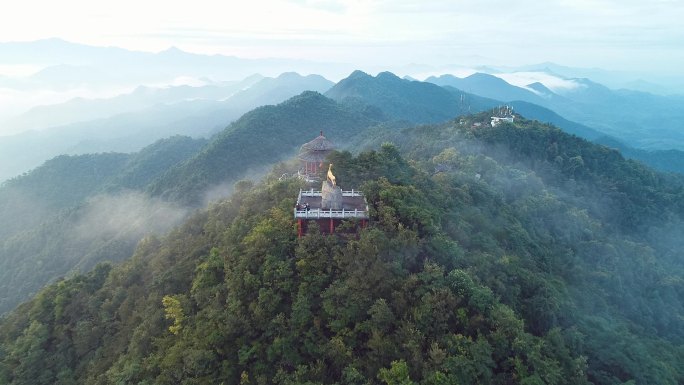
[
  {"x": 552, "y": 82},
  {"x": 130, "y": 215}
]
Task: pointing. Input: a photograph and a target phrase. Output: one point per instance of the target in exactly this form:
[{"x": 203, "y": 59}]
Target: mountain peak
[
  {"x": 481, "y": 76},
  {"x": 289, "y": 75},
  {"x": 358, "y": 74},
  {"x": 386, "y": 75},
  {"x": 173, "y": 50}
]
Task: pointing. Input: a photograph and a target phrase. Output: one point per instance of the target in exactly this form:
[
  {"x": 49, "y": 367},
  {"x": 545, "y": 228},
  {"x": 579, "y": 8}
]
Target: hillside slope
[
  {"x": 76, "y": 211},
  {"x": 483, "y": 272},
  {"x": 247, "y": 301},
  {"x": 401, "y": 99},
  {"x": 257, "y": 140}
]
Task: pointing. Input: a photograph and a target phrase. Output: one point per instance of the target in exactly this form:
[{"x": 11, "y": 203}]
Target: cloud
[
  {"x": 554, "y": 83},
  {"x": 588, "y": 33},
  {"x": 129, "y": 215}
]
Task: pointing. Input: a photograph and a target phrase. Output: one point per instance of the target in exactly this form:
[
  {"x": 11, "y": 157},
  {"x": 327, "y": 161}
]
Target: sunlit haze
[{"x": 616, "y": 35}]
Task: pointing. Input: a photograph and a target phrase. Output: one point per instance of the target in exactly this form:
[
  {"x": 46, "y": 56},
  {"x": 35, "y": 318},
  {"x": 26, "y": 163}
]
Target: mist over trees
[
  {"x": 508, "y": 254},
  {"x": 514, "y": 254}
]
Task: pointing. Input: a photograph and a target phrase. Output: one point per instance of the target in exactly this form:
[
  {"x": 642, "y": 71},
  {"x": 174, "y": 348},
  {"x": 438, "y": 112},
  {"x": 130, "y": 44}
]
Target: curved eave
[{"x": 314, "y": 156}]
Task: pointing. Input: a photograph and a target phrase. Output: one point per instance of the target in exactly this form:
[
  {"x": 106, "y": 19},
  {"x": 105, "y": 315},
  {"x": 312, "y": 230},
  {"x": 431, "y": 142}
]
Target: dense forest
[
  {"x": 515, "y": 254},
  {"x": 41, "y": 209},
  {"x": 75, "y": 211},
  {"x": 55, "y": 213}
]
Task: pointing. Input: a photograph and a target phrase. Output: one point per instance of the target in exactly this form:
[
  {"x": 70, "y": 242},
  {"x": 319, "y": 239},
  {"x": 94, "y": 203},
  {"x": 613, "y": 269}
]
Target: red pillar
[
  {"x": 299, "y": 227},
  {"x": 331, "y": 225}
]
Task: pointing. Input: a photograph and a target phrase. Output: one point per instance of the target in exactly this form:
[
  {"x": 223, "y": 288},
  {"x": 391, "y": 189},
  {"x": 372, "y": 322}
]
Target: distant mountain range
[
  {"x": 639, "y": 119},
  {"x": 143, "y": 97},
  {"x": 129, "y": 122},
  {"x": 69, "y": 63},
  {"x": 132, "y": 120},
  {"x": 187, "y": 173},
  {"x": 519, "y": 252}
]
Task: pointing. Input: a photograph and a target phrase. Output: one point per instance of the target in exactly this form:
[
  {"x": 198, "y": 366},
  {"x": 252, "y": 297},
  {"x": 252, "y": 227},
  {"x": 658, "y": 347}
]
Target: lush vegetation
[
  {"x": 75, "y": 211},
  {"x": 56, "y": 185},
  {"x": 474, "y": 270},
  {"x": 515, "y": 254},
  {"x": 252, "y": 144},
  {"x": 51, "y": 213}
]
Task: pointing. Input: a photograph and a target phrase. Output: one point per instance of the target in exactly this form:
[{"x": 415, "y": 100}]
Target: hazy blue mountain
[
  {"x": 661, "y": 84},
  {"x": 276, "y": 90},
  {"x": 127, "y": 132},
  {"x": 542, "y": 90},
  {"x": 183, "y": 110},
  {"x": 640, "y": 119},
  {"x": 134, "y": 68},
  {"x": 488, "y": 86},
  {"x": 82, "y": 109},
  {"x": 663, "y": 160},
  {"x": 401, "y": 99},
  {"x": 63, "y": 77}
]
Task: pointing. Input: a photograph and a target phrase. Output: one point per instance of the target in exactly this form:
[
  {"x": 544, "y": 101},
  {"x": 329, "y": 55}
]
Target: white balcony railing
[{"x": 330, "y": 213}]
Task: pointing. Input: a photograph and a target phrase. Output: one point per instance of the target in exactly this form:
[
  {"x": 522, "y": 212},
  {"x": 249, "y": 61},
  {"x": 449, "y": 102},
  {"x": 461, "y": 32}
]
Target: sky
[{"x": 633, "y": 35}]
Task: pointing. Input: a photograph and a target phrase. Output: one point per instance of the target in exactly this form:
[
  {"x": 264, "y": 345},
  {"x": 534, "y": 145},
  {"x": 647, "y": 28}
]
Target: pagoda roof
[{"x": 320, "y": 143}]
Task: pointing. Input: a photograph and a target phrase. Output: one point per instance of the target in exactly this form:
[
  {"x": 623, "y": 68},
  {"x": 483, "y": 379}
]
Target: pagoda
[
  {"x": 329, "y": 206},
  {"x": 312, "y": 155}
]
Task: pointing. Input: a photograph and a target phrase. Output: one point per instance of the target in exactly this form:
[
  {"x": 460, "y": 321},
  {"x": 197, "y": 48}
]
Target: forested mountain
[
  {"x": 508, "y": 254},
  {"x": 52, "y": 203},
  {"x": 546, "y": 107},
  {"x": 43, "y": 208},
  {"x": 278, "y": 89},
  {"x": 177, "y": 171},
  {"x": 515, "y": 254},
  {"x": 59, "y": 183},
  {"x": 401, "y": 99},
  {"x": 258, "y": 139},
  {"x": 76, "y": 211},
  {"x": 545, "y": 115},
  {"x": 639, "y": 119}
]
